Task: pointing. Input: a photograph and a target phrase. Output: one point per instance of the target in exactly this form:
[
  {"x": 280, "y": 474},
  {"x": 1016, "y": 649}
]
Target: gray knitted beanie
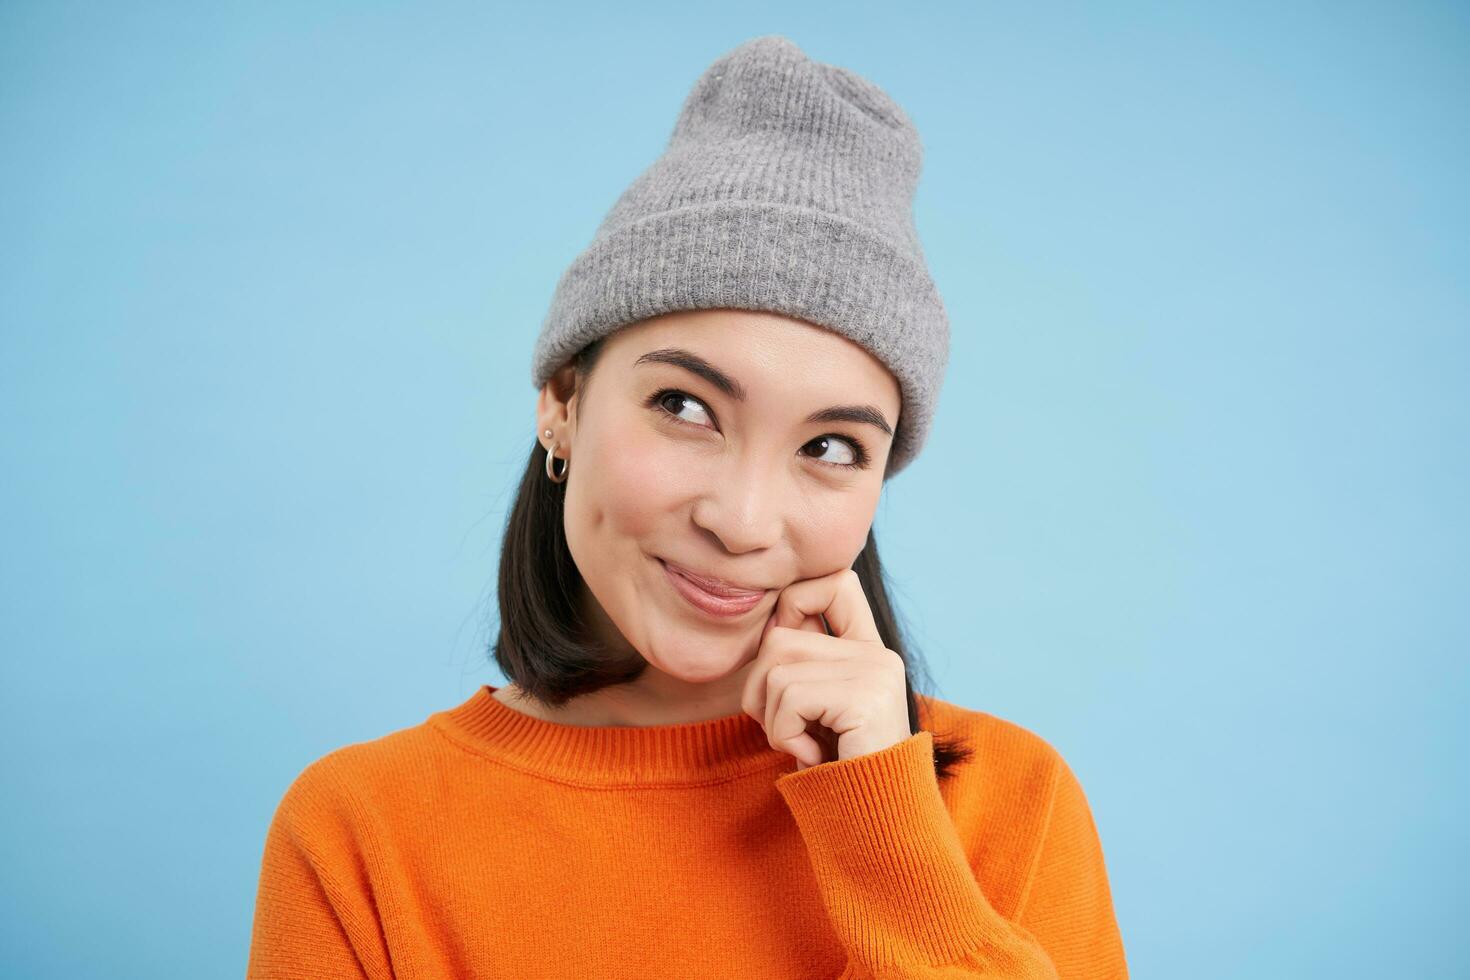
[{"x": 787, "y": 186}]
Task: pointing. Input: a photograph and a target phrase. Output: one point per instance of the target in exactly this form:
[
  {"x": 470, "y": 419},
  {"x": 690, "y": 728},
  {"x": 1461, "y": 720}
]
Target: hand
[{"x": 808, "y": 687}]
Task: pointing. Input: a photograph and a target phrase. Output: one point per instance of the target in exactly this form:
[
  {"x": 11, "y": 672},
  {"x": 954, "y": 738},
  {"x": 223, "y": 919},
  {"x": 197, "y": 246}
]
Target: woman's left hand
[{"x": 807, "y": 686}]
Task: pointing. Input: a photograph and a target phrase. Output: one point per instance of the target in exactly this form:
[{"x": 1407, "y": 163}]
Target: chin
[{"x": 699, "y": 661}]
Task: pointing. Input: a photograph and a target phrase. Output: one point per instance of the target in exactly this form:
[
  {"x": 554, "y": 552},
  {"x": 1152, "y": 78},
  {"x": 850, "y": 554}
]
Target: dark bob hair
[{"x": 544, "y": 646}]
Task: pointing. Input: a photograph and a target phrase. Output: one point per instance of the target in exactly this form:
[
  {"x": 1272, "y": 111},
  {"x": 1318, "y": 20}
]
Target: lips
[
  {"x": 715, "y": 586},
  {"x": 711, "y": 603}
]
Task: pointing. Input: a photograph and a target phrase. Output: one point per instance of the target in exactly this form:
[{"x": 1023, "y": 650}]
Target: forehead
[{"x": 764, "y": 351}]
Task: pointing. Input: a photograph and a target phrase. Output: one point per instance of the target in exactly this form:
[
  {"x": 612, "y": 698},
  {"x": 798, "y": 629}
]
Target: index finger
[{"x": 837, "y": 597}]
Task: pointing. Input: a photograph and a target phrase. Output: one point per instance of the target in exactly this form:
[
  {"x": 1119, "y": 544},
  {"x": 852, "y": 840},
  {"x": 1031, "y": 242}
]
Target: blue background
[{"x": 1192, "y": 509}]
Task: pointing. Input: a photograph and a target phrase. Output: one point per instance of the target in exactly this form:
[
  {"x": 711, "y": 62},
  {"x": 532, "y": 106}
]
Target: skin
[{"x": 746, "y": 491}]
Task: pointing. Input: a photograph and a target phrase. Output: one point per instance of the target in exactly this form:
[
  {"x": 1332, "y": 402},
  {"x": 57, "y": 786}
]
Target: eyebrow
[{"x": 690, "y": 361}]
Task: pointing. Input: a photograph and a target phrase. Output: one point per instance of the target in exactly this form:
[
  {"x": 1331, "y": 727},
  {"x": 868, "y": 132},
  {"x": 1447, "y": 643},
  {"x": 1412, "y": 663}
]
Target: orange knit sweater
[{"x": 487, "y": 843}]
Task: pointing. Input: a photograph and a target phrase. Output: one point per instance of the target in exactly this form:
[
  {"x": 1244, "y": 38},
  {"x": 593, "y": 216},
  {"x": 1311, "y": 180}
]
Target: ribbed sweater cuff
[{"x": 892, "y": 869}]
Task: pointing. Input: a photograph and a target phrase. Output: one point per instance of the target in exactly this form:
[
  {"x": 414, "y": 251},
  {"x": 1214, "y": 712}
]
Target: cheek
[
  {"x": 833, "y": 535},
  {"x": 624, "y": 488}
]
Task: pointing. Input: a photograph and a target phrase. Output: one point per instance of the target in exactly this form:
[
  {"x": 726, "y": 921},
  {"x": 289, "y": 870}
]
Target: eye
[
  {"x": 856, "y": 457},
  {"x": 668, "y": 396}
]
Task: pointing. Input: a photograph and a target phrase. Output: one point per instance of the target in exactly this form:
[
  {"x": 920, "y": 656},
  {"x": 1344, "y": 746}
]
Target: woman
[{"x": 710, "y": 760}]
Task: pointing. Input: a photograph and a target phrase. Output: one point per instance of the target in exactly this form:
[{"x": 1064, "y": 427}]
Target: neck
[{"x": 655, "y": 698}]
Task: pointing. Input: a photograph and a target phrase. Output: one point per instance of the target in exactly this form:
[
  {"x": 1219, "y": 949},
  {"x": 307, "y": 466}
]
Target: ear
[{"x": 554, "y": 407}]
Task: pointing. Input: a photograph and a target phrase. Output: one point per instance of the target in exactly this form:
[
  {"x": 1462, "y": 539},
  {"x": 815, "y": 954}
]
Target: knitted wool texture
[{"x": 787, "y": 186}]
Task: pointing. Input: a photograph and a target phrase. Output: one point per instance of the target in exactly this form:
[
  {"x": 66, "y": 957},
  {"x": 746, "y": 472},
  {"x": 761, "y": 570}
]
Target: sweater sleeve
[
  {"x": 894, "y": 877},
  {"x": 314, "y": 917},
  {"x": 1068, "y": 904}
]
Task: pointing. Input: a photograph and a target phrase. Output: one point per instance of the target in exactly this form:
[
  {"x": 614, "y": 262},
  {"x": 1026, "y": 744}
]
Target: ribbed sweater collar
[{"x": 689, "y": 753}]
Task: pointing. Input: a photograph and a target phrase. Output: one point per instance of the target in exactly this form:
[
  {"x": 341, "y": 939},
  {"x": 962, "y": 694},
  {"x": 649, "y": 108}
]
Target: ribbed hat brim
[{"x": 760, "y": 255}]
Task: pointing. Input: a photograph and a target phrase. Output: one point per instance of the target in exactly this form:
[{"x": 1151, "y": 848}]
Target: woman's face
[{"x": 737, "y": 484}]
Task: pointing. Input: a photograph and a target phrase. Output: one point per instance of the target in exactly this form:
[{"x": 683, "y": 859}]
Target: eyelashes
[{"x": 654, "y": 402}]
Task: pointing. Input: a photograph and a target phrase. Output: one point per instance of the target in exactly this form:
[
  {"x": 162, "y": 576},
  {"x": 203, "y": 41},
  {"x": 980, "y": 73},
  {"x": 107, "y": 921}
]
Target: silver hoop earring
[{"x": 565, "y": 465}]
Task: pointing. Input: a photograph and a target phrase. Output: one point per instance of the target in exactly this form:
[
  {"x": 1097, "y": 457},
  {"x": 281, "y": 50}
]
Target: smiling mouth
[
  {"x": 708, "y": 602},
  {"x": 713, "y": 586}
]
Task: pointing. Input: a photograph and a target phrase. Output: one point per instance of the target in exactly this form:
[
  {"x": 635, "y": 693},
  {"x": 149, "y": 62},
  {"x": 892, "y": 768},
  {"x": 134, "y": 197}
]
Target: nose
[{"x": 743, "y": 507}]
